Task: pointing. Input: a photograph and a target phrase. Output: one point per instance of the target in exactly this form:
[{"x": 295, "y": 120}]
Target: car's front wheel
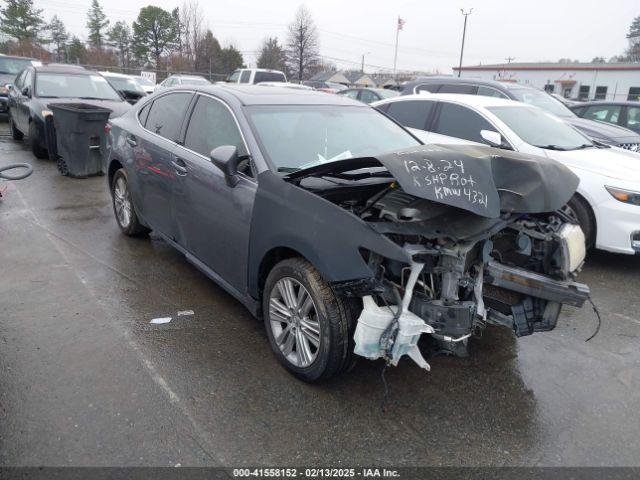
[
  {"x": 123, "y": 206},
  {"x": 307, "y": 324},
  {"x": 15, "y": 133},
  {"x": 578, "y": 209}
]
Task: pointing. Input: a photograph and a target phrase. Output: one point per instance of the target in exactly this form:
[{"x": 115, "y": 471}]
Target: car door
[
  {"x": 23, "y": 97},
  {"x": 13, "y": 97},
  {"x": 157, "y": 172},
  {"x": 412, "y": 114},
  {"x": 213, "y": 217}
]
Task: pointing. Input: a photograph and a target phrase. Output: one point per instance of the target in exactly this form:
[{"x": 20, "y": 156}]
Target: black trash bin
[{"x": 80, "y": 138}]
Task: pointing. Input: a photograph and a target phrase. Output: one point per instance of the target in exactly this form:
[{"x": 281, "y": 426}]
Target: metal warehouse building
[{"x": 582, "y": 81}]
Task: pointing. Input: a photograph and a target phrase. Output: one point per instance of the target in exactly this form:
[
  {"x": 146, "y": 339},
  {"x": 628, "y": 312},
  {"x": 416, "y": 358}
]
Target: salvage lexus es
[{"x": 340, "y": 229}]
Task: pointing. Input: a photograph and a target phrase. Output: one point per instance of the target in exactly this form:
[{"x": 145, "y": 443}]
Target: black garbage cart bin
[{"x": 80, "y": 138}]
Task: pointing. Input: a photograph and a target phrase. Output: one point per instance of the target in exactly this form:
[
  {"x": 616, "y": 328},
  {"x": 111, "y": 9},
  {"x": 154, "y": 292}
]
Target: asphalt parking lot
[{"x": 85, "y": 379}]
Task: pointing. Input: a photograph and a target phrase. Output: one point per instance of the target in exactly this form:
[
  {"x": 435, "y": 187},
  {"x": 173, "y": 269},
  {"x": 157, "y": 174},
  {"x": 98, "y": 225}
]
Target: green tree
[
  {"x": 633, "y": 53},
  {"x": 96, "y": 22},
  {"x": 230, "y": 59},
  {"x": 272, "y": 55},
  {"x": 207, "y": 54},
  {"x": 120, "y": 38},
  {"x": 59, "y": 36},
  {"x": 154, "y": 34},
  {"x": 21, "y": 20},
  {"x": 76, "y": 51}
]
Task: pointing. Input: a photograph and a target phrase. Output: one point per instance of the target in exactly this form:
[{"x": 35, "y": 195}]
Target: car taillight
[{"x": 107, "y": 128}]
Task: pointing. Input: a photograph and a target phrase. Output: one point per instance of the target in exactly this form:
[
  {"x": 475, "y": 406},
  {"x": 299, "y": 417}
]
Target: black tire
[
  {"x": 36, "y": 148},
  {"x": 132, "y": 227},
  {"x": 15, "y": 133},
  {"x": 335, "y": 317},
  {"x": 582, "y": 212}
]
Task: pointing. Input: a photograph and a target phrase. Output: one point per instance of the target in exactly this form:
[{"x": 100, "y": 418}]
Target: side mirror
[
  {"x": 226, "y": 159},
  {"x": 26, "y": 92},
  {"x": 492, "y": 138},
  {"x": 9, "y": 86}
]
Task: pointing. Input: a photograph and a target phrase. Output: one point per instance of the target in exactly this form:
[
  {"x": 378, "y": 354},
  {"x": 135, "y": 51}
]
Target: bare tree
[
  {"x": 192, "y": 30},
  {"x": 302, "y": 44}
]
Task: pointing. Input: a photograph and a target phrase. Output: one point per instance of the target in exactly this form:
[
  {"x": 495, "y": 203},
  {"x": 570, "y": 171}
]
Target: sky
[{"x": 527, "y": 30}]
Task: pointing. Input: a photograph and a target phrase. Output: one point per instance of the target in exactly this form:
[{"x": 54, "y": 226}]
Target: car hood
[
  {"x": 604, "y": 131},
  {"x": 610, "y": 162},
  {"x": 117, "y": 107},
  {"x": 479, "y": 179}
]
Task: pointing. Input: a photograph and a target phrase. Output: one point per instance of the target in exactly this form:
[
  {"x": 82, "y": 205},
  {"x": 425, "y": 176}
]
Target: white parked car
[
  {"x": 607, "y": 203},
  {"x": 251, "y": 76}
]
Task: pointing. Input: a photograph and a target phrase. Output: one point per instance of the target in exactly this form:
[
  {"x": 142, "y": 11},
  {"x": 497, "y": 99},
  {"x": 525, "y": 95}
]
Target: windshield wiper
[
  {"x": 583, "y": 146},
  {"x": 93, "y": 98},
  {"x": 48, "y": 96},
  {"x": 288, "y": 169},
  {"x": 551, "y": 147}
]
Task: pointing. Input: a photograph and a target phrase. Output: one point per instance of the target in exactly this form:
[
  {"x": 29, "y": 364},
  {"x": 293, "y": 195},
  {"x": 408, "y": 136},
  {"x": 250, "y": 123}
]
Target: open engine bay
[{"x": 465, "y": 270}]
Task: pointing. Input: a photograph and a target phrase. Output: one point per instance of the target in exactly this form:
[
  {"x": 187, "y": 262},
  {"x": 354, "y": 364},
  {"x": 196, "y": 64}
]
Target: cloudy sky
[{"x": 497, "y": 29}]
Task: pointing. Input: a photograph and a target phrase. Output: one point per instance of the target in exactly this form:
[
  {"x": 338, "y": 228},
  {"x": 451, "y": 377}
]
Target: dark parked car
[
  {"x": 126, "y": 85},
  {"x": 601, "y": 132},
  {"x": 624, "y": 114},
  {"x": 339, "y": 228},
  {"x": 368, "y": 95},
  {"x": 38, "y": 87},
  {"x": 9, "y": 68}
]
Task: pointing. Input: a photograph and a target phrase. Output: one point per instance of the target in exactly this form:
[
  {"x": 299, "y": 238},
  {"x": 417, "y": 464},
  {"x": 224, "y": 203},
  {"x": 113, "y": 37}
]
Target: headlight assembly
[{"x": 625, "y": 196}]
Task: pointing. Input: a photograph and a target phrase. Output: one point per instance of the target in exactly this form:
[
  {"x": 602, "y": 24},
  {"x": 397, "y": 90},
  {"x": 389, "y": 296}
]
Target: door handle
[
  {"x": 179, "y": 166},
  {"x": 131, "y": 140}
]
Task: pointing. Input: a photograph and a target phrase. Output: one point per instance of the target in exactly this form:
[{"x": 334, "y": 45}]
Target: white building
[{"x": 582, "y": 81}]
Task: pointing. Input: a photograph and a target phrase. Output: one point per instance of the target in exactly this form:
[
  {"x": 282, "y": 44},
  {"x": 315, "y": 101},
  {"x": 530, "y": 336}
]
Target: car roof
[
  {"x": 504, "y": 86},
  {"x": 58, "y": 68},
  {"x": 257, "y": 95},
  {"x": 479, "y": 101}
]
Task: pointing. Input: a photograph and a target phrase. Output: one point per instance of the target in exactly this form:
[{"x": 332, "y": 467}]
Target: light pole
[
  {"x": 362, "y": 67},
  {"x": 464, "y": 32}
]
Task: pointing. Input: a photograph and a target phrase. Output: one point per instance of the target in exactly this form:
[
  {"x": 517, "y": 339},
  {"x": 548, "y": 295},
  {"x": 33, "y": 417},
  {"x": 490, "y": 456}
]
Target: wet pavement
[{"x": 86, "y": 380}]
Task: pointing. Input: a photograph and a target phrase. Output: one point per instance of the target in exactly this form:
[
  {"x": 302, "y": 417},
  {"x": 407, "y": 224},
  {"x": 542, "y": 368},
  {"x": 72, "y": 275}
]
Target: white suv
[{"x": 251, "y": 76}]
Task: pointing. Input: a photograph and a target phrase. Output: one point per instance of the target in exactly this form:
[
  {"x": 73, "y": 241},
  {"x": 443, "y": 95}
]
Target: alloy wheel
[
  {"x": 122, "y": 202},
  {"x": 294, "y": 322}
]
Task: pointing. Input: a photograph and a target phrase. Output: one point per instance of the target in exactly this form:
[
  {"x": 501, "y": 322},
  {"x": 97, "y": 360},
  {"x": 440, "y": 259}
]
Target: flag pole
[{"x": 395, "y": 55}]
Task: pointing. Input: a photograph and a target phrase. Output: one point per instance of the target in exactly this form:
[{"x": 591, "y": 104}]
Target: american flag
[{"x": 401, "y": 23}]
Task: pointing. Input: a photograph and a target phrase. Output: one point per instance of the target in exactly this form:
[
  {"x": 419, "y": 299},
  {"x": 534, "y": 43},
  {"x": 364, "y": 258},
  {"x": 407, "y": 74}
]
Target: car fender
[{"x": 331, "y": 238}]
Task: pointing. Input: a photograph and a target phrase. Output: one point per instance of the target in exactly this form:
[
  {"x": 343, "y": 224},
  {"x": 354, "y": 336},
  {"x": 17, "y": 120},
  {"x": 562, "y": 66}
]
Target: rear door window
[
  {"x": 350, "y": 94},
  {"x": 428, "y": 87},
  {"x": 458, "y": 88},
  {"x": 212, "y": 125},
  {"x": 412, "y": 113},
  {"x": 490, "y": 92},
  {"x": 165, "y": 116},
  {"x": 633, "y": 118},
  {"x": 461, "y": 122},
  {"x": 144, "y": 113},
  {"x": 604, "y": 113},
  {"x": 367, "y": 96},
  {"x": 245, "y": 76},
  {"x": 269, "y": 77}
]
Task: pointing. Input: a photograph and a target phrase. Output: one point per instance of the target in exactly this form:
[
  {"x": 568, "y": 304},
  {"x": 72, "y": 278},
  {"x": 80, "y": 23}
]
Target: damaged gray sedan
[{"x": 340, "y": 229}]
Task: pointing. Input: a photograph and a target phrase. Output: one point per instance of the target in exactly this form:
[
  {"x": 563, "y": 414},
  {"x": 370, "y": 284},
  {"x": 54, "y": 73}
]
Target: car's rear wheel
[
  {"x": 578, "y": 209},
  {"x": 15, "y": 133},
  {"x": 307, "y": 324},
  {"x": 36, "y": 148},
  {"x": 123, "y": 206}
]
